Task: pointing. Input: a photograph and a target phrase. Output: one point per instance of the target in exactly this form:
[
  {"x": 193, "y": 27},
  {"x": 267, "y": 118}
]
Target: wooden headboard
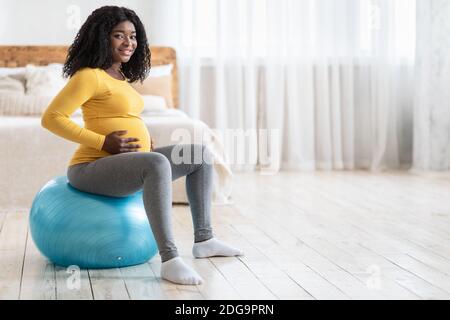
[{"x": 20, "y": 56}]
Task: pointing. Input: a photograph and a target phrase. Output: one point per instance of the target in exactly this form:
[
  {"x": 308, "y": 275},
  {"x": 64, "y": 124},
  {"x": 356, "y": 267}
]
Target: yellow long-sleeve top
[{"x": 107, "y": 104}]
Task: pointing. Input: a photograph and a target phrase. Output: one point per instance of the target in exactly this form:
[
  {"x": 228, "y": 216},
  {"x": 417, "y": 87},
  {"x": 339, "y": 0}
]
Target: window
[{"x": 331, "y": 27}]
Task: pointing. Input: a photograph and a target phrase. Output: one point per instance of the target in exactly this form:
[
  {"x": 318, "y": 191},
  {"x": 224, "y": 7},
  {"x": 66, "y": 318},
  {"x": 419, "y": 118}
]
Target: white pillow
[
  {"x": 152, "y": 103},
  {"x": 15, "y": 73},
  {"x": 158, "y": 83},
  {"x": 169, "y": 112},
  {"x": 12, "y": 71},
  {"x": 44, "y": 80},
  {"x": 19, "y": 104},
  {"x": 11, "y": 85},
  {"x": 162, "y": 70}
]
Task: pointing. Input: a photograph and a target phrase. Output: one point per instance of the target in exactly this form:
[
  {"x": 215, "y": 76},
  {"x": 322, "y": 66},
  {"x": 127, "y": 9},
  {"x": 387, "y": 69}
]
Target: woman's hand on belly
[{"x": 114, "y": 144}]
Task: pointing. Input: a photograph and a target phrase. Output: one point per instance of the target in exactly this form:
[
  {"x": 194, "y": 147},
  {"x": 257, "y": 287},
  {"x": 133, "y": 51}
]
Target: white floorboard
[{"x": 319, "y": 235}]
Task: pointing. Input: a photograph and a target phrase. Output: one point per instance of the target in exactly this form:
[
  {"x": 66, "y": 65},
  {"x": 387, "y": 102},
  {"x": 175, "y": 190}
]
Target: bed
[{"x": 31, "y": 155}]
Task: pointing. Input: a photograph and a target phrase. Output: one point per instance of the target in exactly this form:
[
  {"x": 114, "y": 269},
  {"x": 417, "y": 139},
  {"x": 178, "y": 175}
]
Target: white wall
[
  {"x": 54, "y": 22},
  {"x": 162, "y": 22}
]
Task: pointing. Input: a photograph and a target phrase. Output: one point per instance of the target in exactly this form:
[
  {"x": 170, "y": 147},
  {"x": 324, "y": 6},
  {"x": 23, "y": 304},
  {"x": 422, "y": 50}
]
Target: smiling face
[{"x": 123, "y": 41}]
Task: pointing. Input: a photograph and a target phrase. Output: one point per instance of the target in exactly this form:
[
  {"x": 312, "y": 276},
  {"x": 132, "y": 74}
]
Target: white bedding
[{"x": 31, "y": 155}]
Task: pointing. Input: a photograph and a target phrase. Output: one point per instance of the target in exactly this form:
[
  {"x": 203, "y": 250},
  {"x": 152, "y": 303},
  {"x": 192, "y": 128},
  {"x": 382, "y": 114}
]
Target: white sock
[
  {"x": 214, "y": 247},
  {"x": 177, "y": 271}
]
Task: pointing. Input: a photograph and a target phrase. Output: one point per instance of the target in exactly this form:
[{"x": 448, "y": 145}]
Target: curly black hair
[{"x": 92, "y": 46}]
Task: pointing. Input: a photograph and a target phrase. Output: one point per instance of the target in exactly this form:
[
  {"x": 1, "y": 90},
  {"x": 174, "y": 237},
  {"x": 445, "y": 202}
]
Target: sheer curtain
[
  {"x": 432, "y": 97},
  {"x": 301, "y": 84}
]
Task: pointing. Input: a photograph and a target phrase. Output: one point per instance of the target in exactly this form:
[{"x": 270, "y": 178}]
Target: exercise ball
[{"x": 71, "y": 227}]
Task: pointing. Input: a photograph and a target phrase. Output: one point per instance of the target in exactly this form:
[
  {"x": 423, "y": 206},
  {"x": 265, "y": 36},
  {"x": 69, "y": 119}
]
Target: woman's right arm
[{"x": 56, "y": 118}]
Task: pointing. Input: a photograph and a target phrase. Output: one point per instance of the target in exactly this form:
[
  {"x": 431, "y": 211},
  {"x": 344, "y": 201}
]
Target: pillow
[
  {"x": 162, "y": 70},
  {"x": 173, "y": 113},
  {"x": 12, "y": 71},
  {"x": 158, "y": 83},
  {"x": 152, "y": 103},
  {"x": 44, "y": 80},
  {"x": 15, "y": 73},
  {"x": 11, "y": 85},
  {"x": 20, "y": 104}
]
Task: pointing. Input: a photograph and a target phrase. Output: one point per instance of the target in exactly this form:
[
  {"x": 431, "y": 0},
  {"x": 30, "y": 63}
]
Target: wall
[{"x": 54, "y": 22}]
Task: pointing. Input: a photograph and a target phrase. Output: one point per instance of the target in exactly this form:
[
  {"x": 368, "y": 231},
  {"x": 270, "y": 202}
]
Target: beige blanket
[{"x": 31, "y": 155}]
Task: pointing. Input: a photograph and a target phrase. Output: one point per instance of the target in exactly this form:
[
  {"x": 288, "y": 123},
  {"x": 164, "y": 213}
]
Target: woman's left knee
[{"x": 202, "y": 152}]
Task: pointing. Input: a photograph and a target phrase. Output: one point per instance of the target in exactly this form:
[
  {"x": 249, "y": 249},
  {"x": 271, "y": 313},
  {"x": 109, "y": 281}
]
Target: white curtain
[
  {"x": 301, "y": 84},
  {"x": 432, "y": 98}
]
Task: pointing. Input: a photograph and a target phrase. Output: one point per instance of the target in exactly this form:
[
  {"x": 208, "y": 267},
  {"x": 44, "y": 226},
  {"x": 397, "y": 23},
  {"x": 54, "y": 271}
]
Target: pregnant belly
[{"x": 135, "y": 127}]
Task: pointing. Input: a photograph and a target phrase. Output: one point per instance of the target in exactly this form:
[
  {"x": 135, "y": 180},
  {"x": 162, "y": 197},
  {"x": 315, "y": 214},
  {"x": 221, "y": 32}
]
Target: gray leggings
[{"x": 123, "y": 174}]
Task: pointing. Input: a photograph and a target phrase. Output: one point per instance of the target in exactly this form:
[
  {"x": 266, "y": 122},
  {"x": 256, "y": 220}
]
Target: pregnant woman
[{"x": 115, "y": 156}]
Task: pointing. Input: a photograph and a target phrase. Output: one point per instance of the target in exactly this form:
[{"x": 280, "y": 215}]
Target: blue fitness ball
[{"x": 71, "y": 227}]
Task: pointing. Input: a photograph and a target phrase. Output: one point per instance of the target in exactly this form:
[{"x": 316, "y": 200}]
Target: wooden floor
[{"x": 323, "y": 235}]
